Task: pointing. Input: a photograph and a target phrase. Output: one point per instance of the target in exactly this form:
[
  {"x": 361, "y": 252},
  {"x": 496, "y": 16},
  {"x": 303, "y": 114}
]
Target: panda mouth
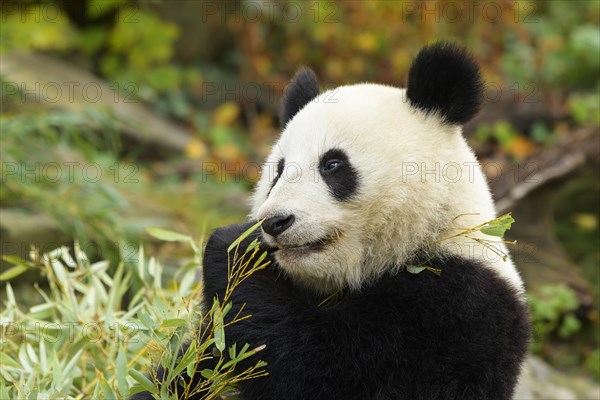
[{"x": 306, "y": 247}]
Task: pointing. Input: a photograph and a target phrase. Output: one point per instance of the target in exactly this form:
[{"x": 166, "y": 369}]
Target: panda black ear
[
  {"x": 445, "y": 79},
  {"x": 303, "y": 88}
]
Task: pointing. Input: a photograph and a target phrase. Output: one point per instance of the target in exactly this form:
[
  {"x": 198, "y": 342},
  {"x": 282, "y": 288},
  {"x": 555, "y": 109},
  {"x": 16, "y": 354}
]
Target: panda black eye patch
[
  {"x": 339, "y": 175},
  {"x": 280, "y": 165},
  {"x": 331, "y": 165}
]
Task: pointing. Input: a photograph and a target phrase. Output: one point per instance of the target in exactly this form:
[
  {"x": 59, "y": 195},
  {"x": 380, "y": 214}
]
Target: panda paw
[{"x": 142, "y": 396}]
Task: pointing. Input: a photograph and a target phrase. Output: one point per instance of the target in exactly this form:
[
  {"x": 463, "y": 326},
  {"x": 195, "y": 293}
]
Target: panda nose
[{"x": 277, "y": 225}]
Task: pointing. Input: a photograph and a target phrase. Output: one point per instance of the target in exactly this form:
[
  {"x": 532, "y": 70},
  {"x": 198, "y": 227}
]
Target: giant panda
[{"x": 352, "y": 195}]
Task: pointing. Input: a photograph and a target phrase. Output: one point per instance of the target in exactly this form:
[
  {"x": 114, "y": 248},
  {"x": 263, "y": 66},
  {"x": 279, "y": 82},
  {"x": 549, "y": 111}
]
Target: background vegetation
[{"x": 187, "y": 109}]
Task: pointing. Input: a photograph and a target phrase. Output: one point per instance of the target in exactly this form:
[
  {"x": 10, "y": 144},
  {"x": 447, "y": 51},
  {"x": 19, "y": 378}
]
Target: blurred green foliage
[
  {"x": 560, "y": 49},
  {"x": 37, "y": 140},
  {"x": 552, "y": 312},
  {"x": 552, "y": 45},
  {"x": 593, "y": 363},
  {"x": 585, "y": 108},
  {"x": 577, "y": 226},
  {"x": 26, "y": 30}
]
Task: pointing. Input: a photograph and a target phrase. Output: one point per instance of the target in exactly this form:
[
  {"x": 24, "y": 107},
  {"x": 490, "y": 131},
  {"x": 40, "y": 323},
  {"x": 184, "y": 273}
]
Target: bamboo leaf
[
  {"x": 143, "y": 381},
  {"x": 436, "y": 271},
  {"x": 7, "y": 361},
  {"x": 71, "y": 364},
  {"x": 173, "y": 323},
  {"x": 122, "y": 372},
  {"x": 260, "y": 259},
  {"x": 108, "y": 392},
  {"x": 141, "y": 267},
  {"x": 10, "y": 294},
  {"x": 207, "y": 373},
  {"x": 24, "y": 359},
  {"x": 219, "y": 329},
  {"x": 498, "y": 226},
  {"x": 60, "y": 272},
  {"x": 43, "y": 357},
  {"x": 187, "y": 361},
  {"x": 4, "y": 391},
  {"x": 146, "y": 320},
  {"x": 167, "y": 235},
  {"x": 16, "y": 260},
  {"x": 415, "y": 269},
  {"x": 243, "y": 236},
  {"x": 13, "y": 272}
]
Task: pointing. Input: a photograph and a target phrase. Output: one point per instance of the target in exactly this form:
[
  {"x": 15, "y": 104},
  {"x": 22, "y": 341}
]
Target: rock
[
  {"x": 22, "y": 229},
  {"x": 48, "y": 80},
  {"x": 540, "y": 381}
]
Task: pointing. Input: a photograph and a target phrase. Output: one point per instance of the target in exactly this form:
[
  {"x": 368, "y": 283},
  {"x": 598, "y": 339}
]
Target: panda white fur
[{"x": 364, "y": 181}]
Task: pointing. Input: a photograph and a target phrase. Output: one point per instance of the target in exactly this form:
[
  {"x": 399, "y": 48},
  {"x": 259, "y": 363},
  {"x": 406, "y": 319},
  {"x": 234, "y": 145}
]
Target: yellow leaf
[
  {"x": 262, "y": 65},
  {"x": 228, "y": 151},
  {"x": 336, "y": 68},
  {"x": 366, "y": 42},
  {"x": 195, "y": 149},
  {"x": 226, "y": 113},
  {"x": 521, "y": 147},
  {"x": 357, "y": 66},
  {"x": 586, "y": 222},
  {"x": 400, "y": 61}
]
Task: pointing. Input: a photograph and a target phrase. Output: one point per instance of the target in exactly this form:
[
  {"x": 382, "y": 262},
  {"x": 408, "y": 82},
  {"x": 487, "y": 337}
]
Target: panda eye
[{"x": 331, "y": 165}]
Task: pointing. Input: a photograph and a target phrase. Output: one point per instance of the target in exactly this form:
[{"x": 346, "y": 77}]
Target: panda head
[{"x": 363, "y": 176}]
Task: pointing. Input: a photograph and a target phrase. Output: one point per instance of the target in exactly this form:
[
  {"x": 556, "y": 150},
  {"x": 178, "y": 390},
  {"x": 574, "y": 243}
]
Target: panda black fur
[{"x": 393, "y": 335}]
